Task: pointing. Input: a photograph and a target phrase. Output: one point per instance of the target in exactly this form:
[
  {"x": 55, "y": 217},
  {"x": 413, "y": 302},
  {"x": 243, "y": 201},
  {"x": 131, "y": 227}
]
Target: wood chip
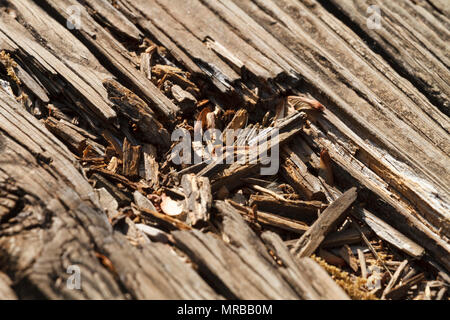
[
  {"x": 347, "y": 255},
  {"x": 198, "y": 199},
  {"x": 362, "y": 264},
  {"x": 131, "y": 159}
]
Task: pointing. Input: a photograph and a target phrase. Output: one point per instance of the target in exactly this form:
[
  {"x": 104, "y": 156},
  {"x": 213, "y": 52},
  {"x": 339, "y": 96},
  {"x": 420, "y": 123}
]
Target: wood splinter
[
  {"x": 131, "y": 159},
  {"x": 326, "y": 222}
]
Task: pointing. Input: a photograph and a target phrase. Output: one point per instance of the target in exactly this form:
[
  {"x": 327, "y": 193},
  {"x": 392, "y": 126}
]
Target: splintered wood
[
  {"x": 326, "y": 222},
  {"x": 198, "y": 201},
  {"x": 179, "y": 149},
  {"x": 131, "y": 158}
]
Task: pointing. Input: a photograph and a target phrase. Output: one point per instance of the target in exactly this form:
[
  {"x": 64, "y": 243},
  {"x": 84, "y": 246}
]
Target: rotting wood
[
  {"x": 151, "y": 167},
  {"x": 339, "y": 238},
  {"x": 71, "y": 137},
  {"x": 401, "y": 290},
  {"x": 346, "y": 98},
  {"x": 394, "y": 279},
  {"x": 286, "y": 129},
  {"x": 178, "y": 224},
  {"x": 331, "y": 258},
  {"x": 347, "y": 255},
  {"x": 112, "y": 51},
  {"x": 311, "y": 239},
  {"x": 137, "y": 111},
  {"x": 308, "y": 270},
  {"x": 348, "y": 236},
  {"x": 76, "y": 226},
  {"x": 198, "y": 199},
  {"x": 362, "y": 264},
  {"x": 400, "y": 213},
  {"x": 255, "y": 277},
  {"x": 297, "y": 174},
  {"x": 306, "y": 211},
  {"x": 385, "y": 231},
  {"x": 131, "y": 159},
  {"x": 270, "y": 219},
  {"x": 119, "y": 195},
  {"x": 409, "y": 51},
  {"x": 232, "y": 64}
]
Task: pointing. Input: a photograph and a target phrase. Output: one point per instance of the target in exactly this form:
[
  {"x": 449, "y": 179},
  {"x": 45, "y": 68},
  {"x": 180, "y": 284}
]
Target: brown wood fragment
[
  {"x": 142, "y": 201},
  {"x": 441, "y": 293},
  {"x": 371, "y": 248},
  {"x": 302, "y": 102},
  {"x": 302, "y": 149},
  {"x": 328, "y": 220},
  {"x": 150, "y": 170},
  {"x": 168, "y": 219},
  {"x": 198, "y": 199},
  {"x": 281, "y": 222},
  {"x": 74, "y": 140},
  {"x": 331, "y": 258},
  {"x": 239, "y": 121},
  {"x": 388, "y": 233},
  {"x": 145, "y": 65},
  {"x": 173, "y": 75},
  {"x": 185, "y": 100},
  {"x": 119, "y": 178},
  {"x": 131, "y": 159},
  {"x": 296, "y": 173},
  {"x": 294, "y": 209},
  {"x": 269, "y": 192},
  {"x": 394, "y": 278},
  {"x": 347, "y": 254},
  {"x": 133, "y": 107},
  {"x": 325, "y": 169},
  {"x": 339, "y": 238},
  {"x": 113, "y": 141},
  {"x": 101, "y": 182},
  {"x": 105, "y": 11},
  {"x": 315, "y": 283},
  {"x": 399, "y": 291},
  {"x": 348, "y": 236},
  {"x": 113, "y": 165}
]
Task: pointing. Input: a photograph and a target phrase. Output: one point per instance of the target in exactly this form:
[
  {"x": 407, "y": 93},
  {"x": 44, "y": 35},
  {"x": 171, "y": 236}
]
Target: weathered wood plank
[
  {"x": 430, "y": 73},
  {"x": 112, "y": 51},
  {"x": 20, "y": 41},
  {"x": 244, "y": 269}
]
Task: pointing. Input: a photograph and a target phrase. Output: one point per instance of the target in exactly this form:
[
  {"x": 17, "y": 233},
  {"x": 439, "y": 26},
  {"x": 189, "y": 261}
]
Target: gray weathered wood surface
[{"x": 385, "y": 126}]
